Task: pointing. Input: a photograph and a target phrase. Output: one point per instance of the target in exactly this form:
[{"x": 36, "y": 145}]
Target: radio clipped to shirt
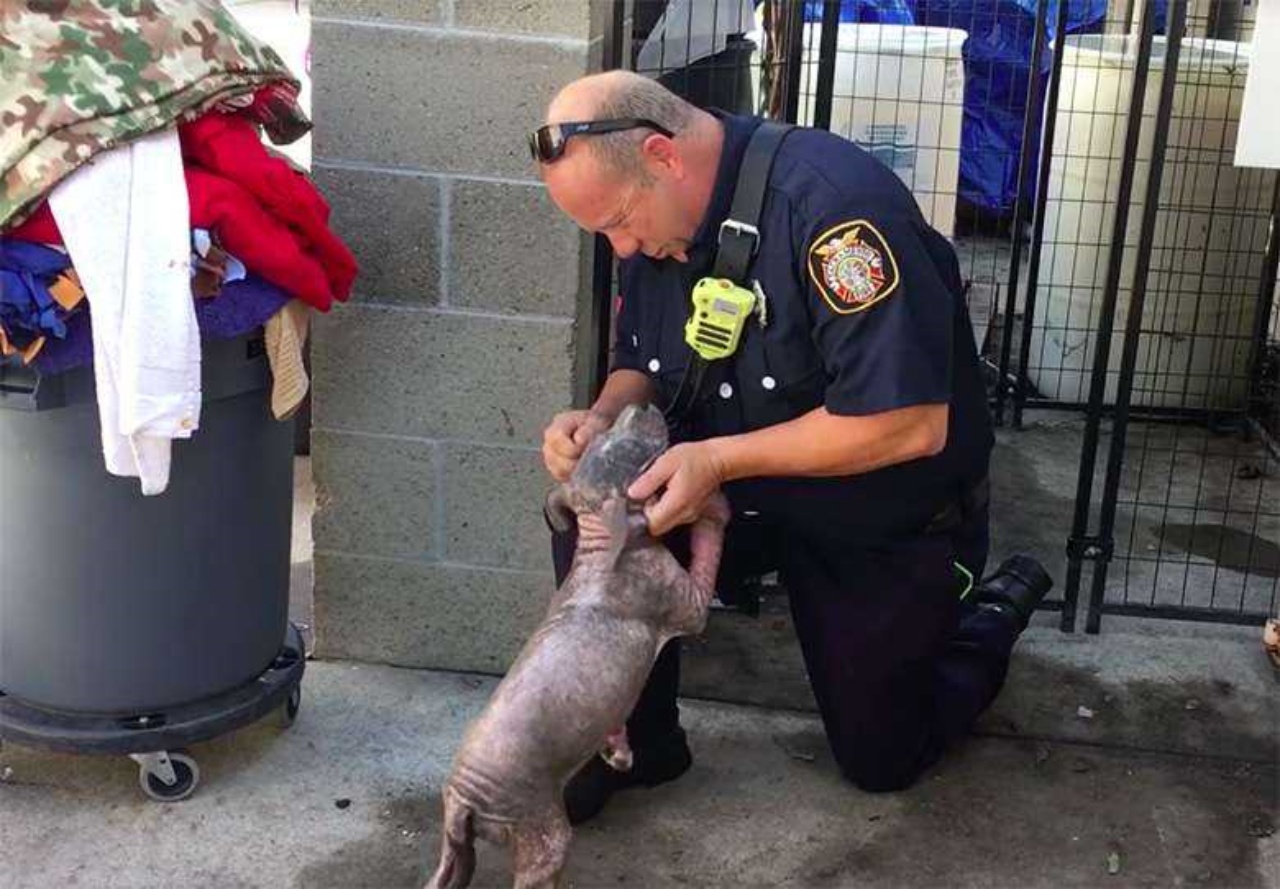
[{"x": 720, "y": 312}]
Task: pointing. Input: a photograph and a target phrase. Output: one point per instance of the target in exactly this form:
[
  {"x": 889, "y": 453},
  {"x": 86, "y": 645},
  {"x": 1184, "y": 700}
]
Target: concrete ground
[
  {"x": 348, "y": 797},
  {"x": 1146, "y": 756}
]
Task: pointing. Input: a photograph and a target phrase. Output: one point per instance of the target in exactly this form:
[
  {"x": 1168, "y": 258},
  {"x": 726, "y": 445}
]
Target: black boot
[
  {"x": 1016, "y": 588},
  {"x": 654, "y": 762}
]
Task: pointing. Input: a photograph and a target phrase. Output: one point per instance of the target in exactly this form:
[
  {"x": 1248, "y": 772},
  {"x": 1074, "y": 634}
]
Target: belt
[{"x": 972, "y": 499}]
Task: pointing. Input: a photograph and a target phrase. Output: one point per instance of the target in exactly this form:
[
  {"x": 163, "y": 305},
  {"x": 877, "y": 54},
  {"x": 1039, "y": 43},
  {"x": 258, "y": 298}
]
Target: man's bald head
[
  {"x": 644, "y": 190},
  {"x": 620, "y": 94}
]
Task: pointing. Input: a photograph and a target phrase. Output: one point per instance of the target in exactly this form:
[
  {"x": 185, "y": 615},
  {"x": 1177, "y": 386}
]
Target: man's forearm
[
  {"x": 621, "y": 388},
  {"x": 823, "y": 444}
]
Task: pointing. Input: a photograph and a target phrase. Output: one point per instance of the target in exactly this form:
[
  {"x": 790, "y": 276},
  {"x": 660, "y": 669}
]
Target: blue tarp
[
  {"x": 885, "y": 12},
  {"x": 1080, "y": 13},
  {"x": 998, "y": 76}
]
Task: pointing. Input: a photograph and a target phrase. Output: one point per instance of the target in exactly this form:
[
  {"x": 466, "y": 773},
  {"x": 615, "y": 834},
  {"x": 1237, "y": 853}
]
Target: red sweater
[{"x": 261, "y": 210}]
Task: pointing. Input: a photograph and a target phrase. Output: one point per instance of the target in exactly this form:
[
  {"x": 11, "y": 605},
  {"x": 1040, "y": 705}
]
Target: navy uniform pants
[{"x": 900, "y": 666}]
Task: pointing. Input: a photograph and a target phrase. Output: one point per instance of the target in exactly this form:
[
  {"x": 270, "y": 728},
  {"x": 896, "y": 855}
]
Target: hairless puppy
[{"x": 568, "y": 694}]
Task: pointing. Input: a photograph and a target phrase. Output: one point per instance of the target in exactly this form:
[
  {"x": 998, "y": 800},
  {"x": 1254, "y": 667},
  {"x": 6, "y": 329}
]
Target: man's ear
[{"x": 660, "y": 152}]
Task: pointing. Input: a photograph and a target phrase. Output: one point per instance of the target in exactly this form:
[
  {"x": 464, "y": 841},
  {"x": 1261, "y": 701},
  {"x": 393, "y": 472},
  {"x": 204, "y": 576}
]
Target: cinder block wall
[{"x": 432, "y": 386}]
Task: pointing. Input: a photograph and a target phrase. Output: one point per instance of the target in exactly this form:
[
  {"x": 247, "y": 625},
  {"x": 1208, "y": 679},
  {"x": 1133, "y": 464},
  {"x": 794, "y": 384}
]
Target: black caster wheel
[
  {"x": 289, "y": 710},
  {"x": 153, "y": 778}
]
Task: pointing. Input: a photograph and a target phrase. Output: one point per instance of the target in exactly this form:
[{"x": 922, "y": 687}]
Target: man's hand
[
  {"x": 567, "y": 436},
  {"x": 691, "y": 473}
]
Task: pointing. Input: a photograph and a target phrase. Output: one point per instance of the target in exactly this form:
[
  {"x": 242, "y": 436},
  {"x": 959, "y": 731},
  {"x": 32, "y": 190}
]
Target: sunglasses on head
[{"x": 547, "y": 143}]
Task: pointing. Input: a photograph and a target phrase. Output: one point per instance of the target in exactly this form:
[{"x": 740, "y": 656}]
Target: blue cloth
[
  {"x": 1080, "y": 13},
  {"x": 241, "y": 307},
  {"x": 913, "y": 345},
  {"x": 998, "y": 75},
  {"x": 885, "y": 12},
  {"x": 27, "y": 310}
]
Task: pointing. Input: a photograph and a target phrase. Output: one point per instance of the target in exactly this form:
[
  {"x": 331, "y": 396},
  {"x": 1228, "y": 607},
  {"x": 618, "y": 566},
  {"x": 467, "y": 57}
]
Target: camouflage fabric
[{"x": 78, "y": 77}]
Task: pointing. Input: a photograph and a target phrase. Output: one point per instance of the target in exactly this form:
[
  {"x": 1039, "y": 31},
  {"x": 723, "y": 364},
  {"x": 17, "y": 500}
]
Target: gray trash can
[
  {"x": 116, "y": 603},
  {"x": 723, "y": 80}
]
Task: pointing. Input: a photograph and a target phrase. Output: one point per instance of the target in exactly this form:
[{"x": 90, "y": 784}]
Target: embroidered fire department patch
[{"x": 852, "y": 266}]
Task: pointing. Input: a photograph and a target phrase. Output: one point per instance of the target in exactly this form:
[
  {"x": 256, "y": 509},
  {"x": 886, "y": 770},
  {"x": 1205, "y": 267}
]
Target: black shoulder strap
[
  {"x": 739, "y": 233},
  {"x": 737, "y": 244}
]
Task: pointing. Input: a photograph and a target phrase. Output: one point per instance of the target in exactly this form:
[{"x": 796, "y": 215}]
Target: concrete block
[
  {"x": 511, "y": 250},
  {"x": 570, "y": 18},
  {"x": 493, "y": 504},
  {"x": 392, "y": 225},
  {"x": 423, "y": 615},
  {"x": 440, "y": 374},
  {"x": 375, "y": 496},
  {"x": 431, "y": 12},
  {"x": 601, "y": 24},
  {"x": 433, "y": 100}
]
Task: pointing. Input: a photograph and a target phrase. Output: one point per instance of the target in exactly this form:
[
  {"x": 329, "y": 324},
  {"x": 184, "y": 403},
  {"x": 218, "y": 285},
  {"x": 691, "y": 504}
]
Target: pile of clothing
[{"x": 141, "y": 211}]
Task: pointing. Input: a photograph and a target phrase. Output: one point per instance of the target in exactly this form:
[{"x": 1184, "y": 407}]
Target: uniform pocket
[{"x": 786, "y": 381}]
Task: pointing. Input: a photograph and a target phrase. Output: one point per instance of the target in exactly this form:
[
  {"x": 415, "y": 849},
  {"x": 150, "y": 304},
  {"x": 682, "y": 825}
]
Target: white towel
[{"x": 124, "y": 219}]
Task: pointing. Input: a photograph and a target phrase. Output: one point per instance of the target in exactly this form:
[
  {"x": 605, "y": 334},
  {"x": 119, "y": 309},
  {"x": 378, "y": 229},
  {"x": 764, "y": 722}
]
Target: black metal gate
[
  {"x": 1121, "y": 273},
  {"x": 1148, "y": 290}
]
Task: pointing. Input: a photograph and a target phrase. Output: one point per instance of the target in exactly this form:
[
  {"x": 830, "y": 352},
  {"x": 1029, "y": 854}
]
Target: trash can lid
[
  {"x": 902, "y": 40},
  {"x": 1121, "y": 51}
]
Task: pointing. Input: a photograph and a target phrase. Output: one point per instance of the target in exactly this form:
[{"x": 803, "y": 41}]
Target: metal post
[
  {"x": 1133, "y": 324},
  {"x": 602, "y": 252},
  {"x": 1024, "y": 170},
  {"x": 1266, "y": 293},
  {"x": 795, "y": 59},
  {"x": 602, "y": 288},
  {"x": 1128, "y": 16},
  {"x": 1079, "y": 545},
  {"x": 1037, "y": 224},
  {"x": 827, "y": 49}
]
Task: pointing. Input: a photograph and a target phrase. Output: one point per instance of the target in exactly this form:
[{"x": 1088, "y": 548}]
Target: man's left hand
[{"x": 691, "y": 473}]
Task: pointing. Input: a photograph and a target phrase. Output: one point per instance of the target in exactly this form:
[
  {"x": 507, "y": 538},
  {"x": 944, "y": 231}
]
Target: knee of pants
[{"x": 881, "y": 771}]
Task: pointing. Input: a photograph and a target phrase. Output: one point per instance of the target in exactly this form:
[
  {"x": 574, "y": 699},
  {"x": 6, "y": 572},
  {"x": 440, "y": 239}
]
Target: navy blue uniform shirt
[{"x": 865, "y": 313}]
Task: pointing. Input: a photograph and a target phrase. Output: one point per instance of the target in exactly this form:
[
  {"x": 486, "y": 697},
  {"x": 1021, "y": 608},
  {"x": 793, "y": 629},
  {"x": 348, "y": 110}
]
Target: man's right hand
[{"x": 567, "y": 436}]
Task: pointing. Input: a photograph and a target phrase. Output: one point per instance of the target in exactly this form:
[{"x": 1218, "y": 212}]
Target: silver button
[
  {"x": 654, "y": 365},
  {"x": 726, "y": 391},
  {"x": 769, "y": 383}
]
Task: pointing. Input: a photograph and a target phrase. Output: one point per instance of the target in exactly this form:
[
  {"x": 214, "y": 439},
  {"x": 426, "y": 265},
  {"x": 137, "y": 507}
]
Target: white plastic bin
[
  {"x": 1209, "y": 237},
  {"x": 898, "y": 93}
]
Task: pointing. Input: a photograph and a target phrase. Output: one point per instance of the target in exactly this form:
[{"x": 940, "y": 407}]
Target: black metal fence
[
  {"x": 1079, "y": 154},
  {"x": 1188, "y": 515}
]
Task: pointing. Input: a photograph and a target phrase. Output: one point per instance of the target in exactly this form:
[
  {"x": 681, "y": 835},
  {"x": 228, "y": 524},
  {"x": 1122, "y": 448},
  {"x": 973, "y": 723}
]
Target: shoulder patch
[{"x": 852, "y": 266}]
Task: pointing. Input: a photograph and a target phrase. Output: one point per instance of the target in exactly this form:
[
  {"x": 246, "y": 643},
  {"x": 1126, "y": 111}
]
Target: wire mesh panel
[
  {"x": 1210, "y": 232},
  {"x": 1200, "y": 503},
  {"x": 1197, "y": 526},
  {"x": 1188, "y": 519}
]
